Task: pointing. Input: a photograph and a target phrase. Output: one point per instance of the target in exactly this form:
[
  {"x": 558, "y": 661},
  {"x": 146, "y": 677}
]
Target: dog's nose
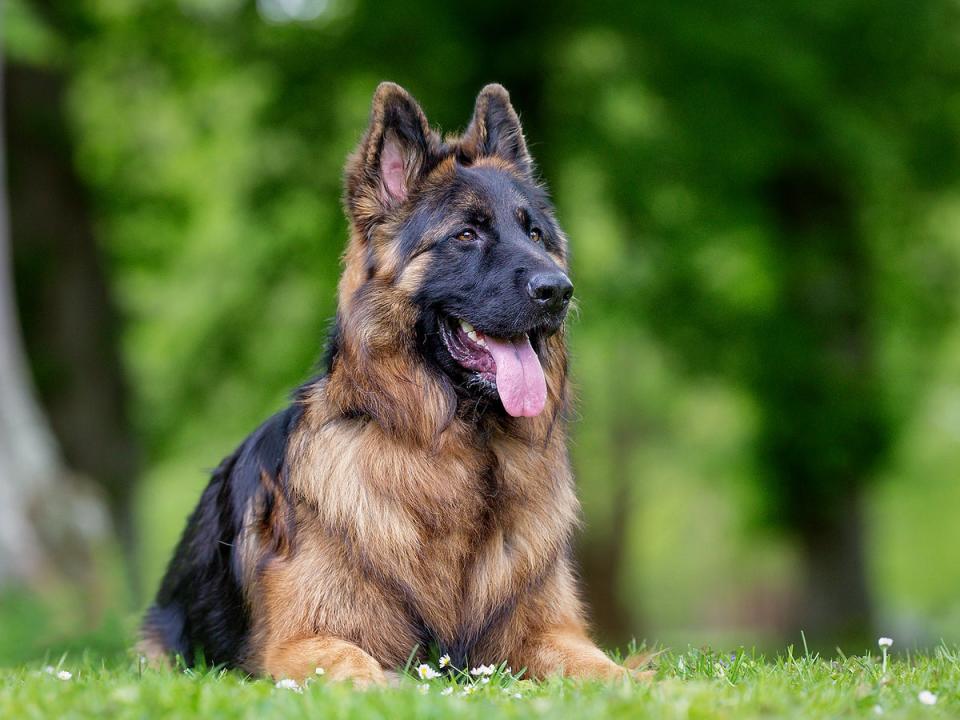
[{"x": 550, "y": 290}]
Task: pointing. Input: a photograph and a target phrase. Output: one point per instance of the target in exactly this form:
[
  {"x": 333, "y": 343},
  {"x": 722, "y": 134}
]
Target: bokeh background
[{"x": 764, "y": 211}]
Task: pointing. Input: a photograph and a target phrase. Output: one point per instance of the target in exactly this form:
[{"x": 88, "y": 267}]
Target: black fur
[
  {"x": 201, "y": 603},
  {"x": 484, "y": 280}
]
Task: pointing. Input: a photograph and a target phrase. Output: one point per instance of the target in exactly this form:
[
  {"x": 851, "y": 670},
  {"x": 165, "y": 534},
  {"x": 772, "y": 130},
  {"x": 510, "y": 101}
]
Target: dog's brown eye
[
  {"x": 466, "y": 235},
  {"x": 536, "y": 235}
]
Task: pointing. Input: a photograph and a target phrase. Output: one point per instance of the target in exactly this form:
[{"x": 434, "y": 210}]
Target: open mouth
[{"x": 509, "y": 364}]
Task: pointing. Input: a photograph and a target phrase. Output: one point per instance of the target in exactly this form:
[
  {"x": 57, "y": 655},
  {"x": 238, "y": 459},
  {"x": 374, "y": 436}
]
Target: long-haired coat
[{"x": 419, "y": 493}]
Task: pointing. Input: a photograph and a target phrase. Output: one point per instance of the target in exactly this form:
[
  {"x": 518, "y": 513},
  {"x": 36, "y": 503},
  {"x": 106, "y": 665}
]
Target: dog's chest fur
[{"x": 435, "y": 544}]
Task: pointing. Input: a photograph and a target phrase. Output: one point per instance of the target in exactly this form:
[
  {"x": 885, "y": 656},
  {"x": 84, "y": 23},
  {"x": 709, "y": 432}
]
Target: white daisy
[
  {"x": 64, "y": 674},
  {"x": 927, "y": 698},
  {"x": 425, "y": 672},
  {"x": 288, "y": 684},
  {"x": 320, "y": 671},
  {"x": 885, "y": 642},
  {"x": 483, "y": 670},
  {"x": 447, "y": 691},
  {"x": 444, "y": 661}
]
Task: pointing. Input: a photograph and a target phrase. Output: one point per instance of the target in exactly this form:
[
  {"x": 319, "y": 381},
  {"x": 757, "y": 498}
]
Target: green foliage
[{"x": 771, "y": 174}]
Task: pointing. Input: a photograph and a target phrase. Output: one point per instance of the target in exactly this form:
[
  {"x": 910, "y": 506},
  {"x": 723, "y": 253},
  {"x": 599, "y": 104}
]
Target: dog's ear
[
  {"x": 495, "y": 130},
  {"x": 392, "y": 156}
]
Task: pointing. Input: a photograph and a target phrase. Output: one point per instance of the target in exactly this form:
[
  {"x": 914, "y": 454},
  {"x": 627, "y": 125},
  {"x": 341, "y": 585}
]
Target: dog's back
[{"x": 201, "y": 605}]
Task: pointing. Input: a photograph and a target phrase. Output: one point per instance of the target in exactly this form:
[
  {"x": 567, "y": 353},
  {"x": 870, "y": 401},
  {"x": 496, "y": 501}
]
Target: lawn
[{"x": 692, "y": 684}]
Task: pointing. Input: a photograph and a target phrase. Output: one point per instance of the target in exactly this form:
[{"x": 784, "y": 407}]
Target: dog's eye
[
  {"x": 536, "y": 235},
  {"x": 466, "y": 235}
]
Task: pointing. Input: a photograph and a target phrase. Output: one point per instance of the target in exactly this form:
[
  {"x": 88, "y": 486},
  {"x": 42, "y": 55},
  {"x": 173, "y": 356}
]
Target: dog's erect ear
[
  {"x": 392, "y": 156},
  {"x": 495, "y": 130}
]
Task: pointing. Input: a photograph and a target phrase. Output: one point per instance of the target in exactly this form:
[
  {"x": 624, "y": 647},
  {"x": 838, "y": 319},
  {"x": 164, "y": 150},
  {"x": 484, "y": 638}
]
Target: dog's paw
[{"x": 359, "y": 669}]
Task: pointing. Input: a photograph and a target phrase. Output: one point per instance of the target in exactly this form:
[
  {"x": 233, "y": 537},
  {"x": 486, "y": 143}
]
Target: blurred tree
[
  {"x": 777, "y": 166},
  {"x": 70, "y": 324},
  {"x": 49, "y": 521},
  {"x": 824, "y": 428}
]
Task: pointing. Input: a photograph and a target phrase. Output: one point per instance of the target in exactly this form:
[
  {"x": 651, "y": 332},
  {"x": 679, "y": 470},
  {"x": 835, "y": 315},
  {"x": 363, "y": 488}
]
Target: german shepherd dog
[{"x": 419, "y": 493}]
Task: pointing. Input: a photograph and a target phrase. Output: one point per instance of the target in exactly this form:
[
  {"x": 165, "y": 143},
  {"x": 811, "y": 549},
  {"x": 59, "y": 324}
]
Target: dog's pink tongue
[{"x": 520, "y": 381}]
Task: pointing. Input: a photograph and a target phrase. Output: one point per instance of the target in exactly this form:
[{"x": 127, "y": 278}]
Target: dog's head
[{"x": 455, "y": 246}]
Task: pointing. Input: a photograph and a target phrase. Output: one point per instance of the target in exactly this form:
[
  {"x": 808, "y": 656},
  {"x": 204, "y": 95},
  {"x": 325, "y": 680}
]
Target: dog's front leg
[
  {"x": 341, "y": 660},
  {"x": 566, "y": 650}
]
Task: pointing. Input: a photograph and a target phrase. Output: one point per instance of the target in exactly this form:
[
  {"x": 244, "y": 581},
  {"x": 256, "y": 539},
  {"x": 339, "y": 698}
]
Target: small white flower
[
  {"x": 288, "y": 684},
  {"x": 320, "y": 671},
  {"x": 509, "y": 670},
  {"x": 468, "y": 690},
  {"x": 927, "y": 698},
  {"x": 49, "y": 670},
  {"x": 447, "y": 691},
  {"x": 483, "y": 670},
  {"x": 444, "y": 661},
  {"x": 424, "y": 688},
  {"x": 484, "y": 681},
  {"x": 518, "y": 696},
  {"x": 425, "y": 672},
  {"x": 885, "y": 642},
  {"x": 64, "y": 674}
]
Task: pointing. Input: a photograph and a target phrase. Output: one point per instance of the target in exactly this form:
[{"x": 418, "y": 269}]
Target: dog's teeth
[{"x": 472, "y": 333}]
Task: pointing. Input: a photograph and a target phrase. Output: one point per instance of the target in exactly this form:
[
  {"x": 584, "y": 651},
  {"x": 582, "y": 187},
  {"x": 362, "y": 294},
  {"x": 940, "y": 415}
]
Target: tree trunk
[
  {"x": 836, "y": 607},
  {"x": 602, "y": 564},
  {"x": 603, "y": 557},
  {"x": 71, "y": 327},
  {"x": 824, "y": 428},
  {"x": 47, "y": 519}
]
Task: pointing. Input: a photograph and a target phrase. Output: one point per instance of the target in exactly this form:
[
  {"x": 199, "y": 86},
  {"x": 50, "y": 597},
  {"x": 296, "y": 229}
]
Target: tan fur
[
  {"x": 338, "y": 659},
  {"x": 399, "y": 509},
  {"x": 153, "y": 650}
]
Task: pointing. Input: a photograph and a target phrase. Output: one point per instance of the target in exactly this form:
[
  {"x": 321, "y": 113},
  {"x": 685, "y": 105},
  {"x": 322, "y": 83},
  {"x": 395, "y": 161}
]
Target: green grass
[{"x": 693, "y": 684}]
